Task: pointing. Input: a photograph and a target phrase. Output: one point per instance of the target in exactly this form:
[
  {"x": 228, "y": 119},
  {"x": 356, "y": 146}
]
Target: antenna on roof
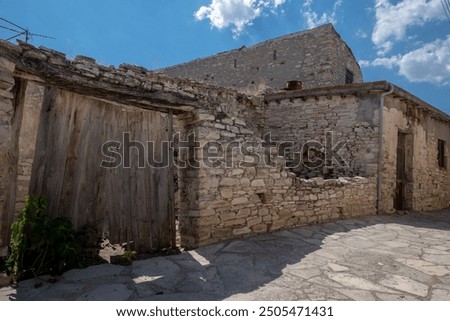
[
  {"x": 446, "y": 5},
  {"x": 21, "y": 32}
]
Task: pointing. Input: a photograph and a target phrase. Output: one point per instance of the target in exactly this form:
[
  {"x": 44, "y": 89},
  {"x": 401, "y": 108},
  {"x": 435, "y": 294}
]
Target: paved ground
[{"x": 375, "y": 258}]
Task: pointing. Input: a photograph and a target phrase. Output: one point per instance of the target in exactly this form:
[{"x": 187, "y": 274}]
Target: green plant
[
  {"x": 41, "y": 244},
  {"x": 128, "y": 256}
]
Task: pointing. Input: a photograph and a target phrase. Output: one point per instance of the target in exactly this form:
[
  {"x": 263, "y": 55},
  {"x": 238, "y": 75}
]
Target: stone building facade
[
  {"x": 247, "y": 163},
  {"x": 316, "y": 57}
]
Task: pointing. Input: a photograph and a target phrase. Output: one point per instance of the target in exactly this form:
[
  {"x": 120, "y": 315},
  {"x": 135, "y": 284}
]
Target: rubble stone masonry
[
  {"x": 248, "y": 196},
  {"x": 346, "y": 123}
]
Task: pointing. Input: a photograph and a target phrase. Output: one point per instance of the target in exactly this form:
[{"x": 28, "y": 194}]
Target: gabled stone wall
[{"x": 316, "y": 57}]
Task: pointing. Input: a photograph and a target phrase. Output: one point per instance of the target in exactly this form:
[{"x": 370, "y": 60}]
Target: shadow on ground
[{"x": 375, "y": 258}]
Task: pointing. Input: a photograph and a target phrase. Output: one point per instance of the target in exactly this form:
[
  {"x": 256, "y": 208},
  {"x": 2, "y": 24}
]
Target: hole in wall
[{"x": 262, "y": 197}]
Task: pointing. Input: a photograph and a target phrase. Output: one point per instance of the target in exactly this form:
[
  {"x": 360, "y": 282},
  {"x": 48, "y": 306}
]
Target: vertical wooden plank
[
  {"x": 52, "y": 148},
  {"x": 63, "y": 119},
  {"x": 171, "y": 187},
  {"x": 120, "y": 205},
  {"x": 40, "y": 156},
  {"x": 145, "y": 215},
  {"x": 160, "y": 179},
  {"x": 135, "y": 204}
]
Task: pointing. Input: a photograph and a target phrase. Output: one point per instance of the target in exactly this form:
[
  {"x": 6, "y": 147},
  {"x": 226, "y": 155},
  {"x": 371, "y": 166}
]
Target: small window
[
  {"x": 274, "y": 55},
  {"x": 235, "y": 63},
  {"x": 441, "y": 154},
  {"x": 348, "y": 77}
]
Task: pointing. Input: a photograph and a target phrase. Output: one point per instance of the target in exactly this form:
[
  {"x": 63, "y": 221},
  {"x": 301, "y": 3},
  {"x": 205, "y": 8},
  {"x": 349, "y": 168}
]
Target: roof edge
[
  {"x": 349, "y": 89},
  {"x": 376, "y": 87}
]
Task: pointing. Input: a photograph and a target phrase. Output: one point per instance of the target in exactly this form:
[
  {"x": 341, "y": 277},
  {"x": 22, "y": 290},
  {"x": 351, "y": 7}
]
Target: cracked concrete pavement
[{"x": 375, "y": 258}]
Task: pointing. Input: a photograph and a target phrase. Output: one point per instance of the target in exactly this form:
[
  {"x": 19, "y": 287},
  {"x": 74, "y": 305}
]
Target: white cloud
[
  {"x": 313, "y": 19},
  {"x": 430, "y": 63},
  {"x": 381, "y": 62},
  {"x": 392, "y": 21},
  {"x": 235, "y": 13},
  {"x": 361, "y": 34}
]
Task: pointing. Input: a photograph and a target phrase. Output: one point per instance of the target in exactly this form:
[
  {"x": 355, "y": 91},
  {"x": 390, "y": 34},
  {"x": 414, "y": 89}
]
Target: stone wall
[
  {"x": 317, "y": 57},
  {"x": 350, "y": 120},
  {"x": 428, "y": 185},
  {"x": 342, "y": 59},
  {"x": 31, "y": 105},
  {"x": 246, "y": 195},
  {"x": 7, "y": 153}
]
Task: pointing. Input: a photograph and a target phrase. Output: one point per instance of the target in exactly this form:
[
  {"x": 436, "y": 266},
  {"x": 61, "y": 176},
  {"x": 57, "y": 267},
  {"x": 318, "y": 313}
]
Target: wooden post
[{"x": 171, "y": 189}]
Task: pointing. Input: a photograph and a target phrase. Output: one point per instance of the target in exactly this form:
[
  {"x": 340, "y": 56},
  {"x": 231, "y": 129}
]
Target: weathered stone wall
[
  {"x": 7, "y": 142},
  {"x": 245, "y": 195},
  {"x": 31, "y": 105},
  {"x": 349, "y": 119},
  {"x": 317, "y": 57},
  {"x": 428, "y": 186},
  {"x": 342, "y": 59}
]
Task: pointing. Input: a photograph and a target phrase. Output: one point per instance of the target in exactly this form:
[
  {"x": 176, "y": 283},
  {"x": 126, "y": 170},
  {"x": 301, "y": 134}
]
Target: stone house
[
  {"x": 317, "y": 57},
  {"x": 247, "y": 155}
]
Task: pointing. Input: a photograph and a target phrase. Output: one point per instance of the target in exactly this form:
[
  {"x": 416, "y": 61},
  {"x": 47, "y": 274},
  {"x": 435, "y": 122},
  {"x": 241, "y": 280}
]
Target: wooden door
[
  {"x": 401, "y": 179},
  {"x": 127, "y": 204}
]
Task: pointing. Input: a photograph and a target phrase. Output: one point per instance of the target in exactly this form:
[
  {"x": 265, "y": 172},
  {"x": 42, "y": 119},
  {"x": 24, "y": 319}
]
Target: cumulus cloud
[
  {"x": 236, "y": 14},
  {"x": 313, "y": 19},
  {"x": 430, "y": 63},
  {"x": 393, "y": 20},
  {"x": 389, "y": 63}
]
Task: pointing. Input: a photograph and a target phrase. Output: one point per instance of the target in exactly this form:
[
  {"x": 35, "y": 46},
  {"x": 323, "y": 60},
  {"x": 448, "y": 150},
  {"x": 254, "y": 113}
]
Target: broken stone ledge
[{"x": 53, "y": 67}]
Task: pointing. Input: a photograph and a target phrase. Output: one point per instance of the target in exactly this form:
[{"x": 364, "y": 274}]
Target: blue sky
[{"x": 406, "y": 42}]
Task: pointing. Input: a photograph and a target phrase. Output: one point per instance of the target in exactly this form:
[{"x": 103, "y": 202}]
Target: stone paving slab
[{"x": 375, "y": 258}]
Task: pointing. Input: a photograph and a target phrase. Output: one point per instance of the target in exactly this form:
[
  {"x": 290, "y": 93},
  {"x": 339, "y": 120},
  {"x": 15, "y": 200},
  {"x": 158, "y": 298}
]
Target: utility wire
[
  {"x": 3, "y": 27},
  {"x": 446, "y": 6},
  {"x": 12, "y": 23},
  {"x": 22, "y": 32}
]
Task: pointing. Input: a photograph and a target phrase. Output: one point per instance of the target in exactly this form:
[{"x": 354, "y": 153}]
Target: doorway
[{"x": 403, "y": 188}]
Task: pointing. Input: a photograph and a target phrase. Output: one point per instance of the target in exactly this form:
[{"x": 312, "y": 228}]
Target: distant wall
[
  {"x": 427, "y": 185},
  {"x": 317, "y": 57},
  {"x": 347, "y": 124}
]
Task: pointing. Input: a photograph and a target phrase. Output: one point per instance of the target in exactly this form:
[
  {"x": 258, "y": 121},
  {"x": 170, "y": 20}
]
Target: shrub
[{"x": 41, "y": 244}]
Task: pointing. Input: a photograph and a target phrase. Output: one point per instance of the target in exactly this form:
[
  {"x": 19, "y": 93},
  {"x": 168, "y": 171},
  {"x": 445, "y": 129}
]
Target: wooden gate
[{"x": 128, "y": 204}]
